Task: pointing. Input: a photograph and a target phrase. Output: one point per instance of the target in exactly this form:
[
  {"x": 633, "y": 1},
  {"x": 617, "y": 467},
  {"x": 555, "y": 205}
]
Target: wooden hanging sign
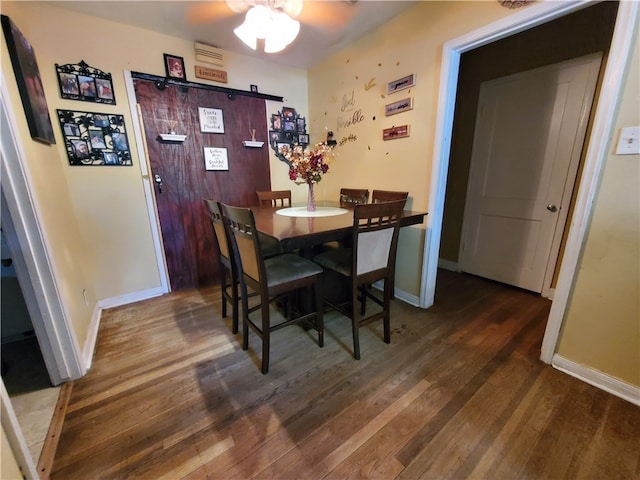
[
  {"x": 211, "y": 74},
  {"x": 395, "y": 132}
]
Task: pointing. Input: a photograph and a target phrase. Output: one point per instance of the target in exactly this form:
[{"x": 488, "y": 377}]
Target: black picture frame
[
  {"x": 301, "y": 123},
  {"x": 174, "y": 67},
  {"x": 80, "y": 81},
  {"x": 94, "y": 139},
  {"x": 25, "y": 68},
  {"x": 275, "y": 136},
  {"x": 289, "y": 113}
]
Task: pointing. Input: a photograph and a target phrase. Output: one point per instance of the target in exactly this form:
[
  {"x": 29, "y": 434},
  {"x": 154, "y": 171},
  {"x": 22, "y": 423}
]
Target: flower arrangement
[{"x": 307, "y": 165}]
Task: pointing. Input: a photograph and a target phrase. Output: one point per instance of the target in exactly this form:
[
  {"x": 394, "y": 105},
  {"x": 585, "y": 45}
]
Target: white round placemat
[{"x": 303, "y": 212}]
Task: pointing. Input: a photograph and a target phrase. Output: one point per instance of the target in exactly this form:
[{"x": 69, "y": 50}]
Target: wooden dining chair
[
  {"x": 272, "y": 278},
  {"x": 351, "y": 196},
  {"x": 228, "y": 272},
  {"x": 378, "y": 196},
  {"x": 371, "y": 258},
  {"x": 274, "y": 198}
]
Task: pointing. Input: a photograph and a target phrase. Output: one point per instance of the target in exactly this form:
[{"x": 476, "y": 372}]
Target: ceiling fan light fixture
[
  {"x": 248, "y": 37},
  {"x": 283, "y": 31},
  {"x": 276, "y": 28},
  {"x": 293, "y": 7}
]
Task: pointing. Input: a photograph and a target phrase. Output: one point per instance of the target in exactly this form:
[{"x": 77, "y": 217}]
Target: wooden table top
[{"x": 301, "y": 232}]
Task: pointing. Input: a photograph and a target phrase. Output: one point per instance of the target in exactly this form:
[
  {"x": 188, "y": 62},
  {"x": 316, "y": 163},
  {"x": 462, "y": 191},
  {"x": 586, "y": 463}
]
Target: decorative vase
[{"x": 311, "y": 199}]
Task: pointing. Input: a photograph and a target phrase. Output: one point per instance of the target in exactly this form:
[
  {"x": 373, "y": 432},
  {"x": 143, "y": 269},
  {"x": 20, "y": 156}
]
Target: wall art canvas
[
  {"x": 401, "y": 83},
  {"x": 25, "y": 68},
  {"x": 399, "y": 106},
  {"x": 211, "y": 120},
  {"x": 215, "y": 158}
]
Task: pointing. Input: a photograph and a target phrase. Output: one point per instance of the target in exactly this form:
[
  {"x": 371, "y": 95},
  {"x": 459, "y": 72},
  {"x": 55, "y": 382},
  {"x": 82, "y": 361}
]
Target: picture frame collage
[
  {"x": 79, "y": 81},
  {"x": 288, "y": 128},
  {"x": 95, "y": 138},
  {"x": 400, "y": 106}
]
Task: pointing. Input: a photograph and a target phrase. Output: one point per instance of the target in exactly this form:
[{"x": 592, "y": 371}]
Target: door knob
[
  {"x": 552, "y": 207},
  {"x": 158, "y": 180}
]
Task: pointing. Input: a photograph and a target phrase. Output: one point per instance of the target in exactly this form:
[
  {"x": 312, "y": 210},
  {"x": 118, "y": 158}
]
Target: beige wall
[
  {"x": 602, "y": 326},
  {"x": 411, "y": 43},
  {"x": 53, "y": 201},
  {"x": 95, "y": 218}
]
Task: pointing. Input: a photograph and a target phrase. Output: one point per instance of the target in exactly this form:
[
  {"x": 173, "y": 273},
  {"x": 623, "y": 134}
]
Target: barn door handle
[
  {"x": 552, "y": 208},
  {"x": 158, "y": 180}
]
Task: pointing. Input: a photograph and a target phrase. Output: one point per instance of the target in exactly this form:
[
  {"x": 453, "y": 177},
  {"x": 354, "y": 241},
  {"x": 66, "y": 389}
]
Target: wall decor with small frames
[
  {"x": 79, "y": 81},
  {"x": 95, "y": 138}
]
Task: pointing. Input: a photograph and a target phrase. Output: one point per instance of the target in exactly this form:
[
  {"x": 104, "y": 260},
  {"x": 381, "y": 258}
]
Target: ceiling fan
[{"x": 275, "y": 23}]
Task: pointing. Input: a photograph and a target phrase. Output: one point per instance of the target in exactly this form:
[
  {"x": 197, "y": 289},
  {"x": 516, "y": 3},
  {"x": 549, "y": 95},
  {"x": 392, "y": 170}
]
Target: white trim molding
[
  {"x": 131, "y": 298},
  {"x": 597, "y": 152},
  {"x": 35, "y": 265},
  {"x": 615, "y": 386},
  {"x": 533, "y": 15},
  {"x": 15, "y": 437},
  {"x": 598, "y": 142}
]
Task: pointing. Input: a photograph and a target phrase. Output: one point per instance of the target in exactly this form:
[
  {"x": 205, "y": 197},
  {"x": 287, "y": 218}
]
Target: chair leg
[
  {"x": 317, "y": 288},
  {"x": 266, "y": 335},
  {"x": 356, "y": 338},
  {"x": 236, "y": 304},
  {"x": 355, "y": 323},
  {"x": 245, "y": 319},
  {"x": 363, "y": 299},
  {"x": 223, "y": 290},
  {"x": 386, "y": 319}
]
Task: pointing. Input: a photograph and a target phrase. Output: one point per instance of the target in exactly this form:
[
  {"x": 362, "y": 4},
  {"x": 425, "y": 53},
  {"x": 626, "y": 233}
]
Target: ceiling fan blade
[
  {"x": 327, "y": 14},
  {"x": 203, "y": 12}
]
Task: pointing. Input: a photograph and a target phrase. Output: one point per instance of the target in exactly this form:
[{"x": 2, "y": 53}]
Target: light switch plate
[{"x": 629, "y": 141}]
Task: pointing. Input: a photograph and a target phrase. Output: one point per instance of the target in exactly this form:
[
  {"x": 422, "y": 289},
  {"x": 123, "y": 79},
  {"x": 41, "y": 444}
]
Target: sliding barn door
[{"x": 181, "y": 180}]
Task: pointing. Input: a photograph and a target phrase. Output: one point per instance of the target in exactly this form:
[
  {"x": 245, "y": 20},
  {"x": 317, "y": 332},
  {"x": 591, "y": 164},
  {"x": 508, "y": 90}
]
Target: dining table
[
  {"x": 308, "y": 232},
  {"x": 299, "y": 229}
]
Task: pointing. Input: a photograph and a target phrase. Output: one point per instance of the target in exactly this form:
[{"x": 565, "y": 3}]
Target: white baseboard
[
  {"x": 448, "y": 265},
  {"x": 92, "y": 337},
  {"x": 92, "y": 334},
  {"x": 400, "y": 294},
  {"x": 130, "y": 298},
  {"x": 407, "y": 297},
  {"x": 630, "y": 393}
]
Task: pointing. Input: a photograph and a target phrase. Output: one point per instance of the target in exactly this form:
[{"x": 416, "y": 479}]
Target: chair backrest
[
  {"x": 245, "y": 242},
  {"x": 378, "y": 196},
  {"x": 274, "y": 198},
  {"x": 220, "y": 232},
  {"x": 375, "y": 239},
  {"x": 352, "y": 196}
]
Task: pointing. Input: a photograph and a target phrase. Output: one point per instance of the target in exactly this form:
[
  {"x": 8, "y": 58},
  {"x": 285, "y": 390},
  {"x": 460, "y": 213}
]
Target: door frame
[
  {"x": 147, "y": 184},
  {"x": 594, "y": 62},
  {"x": 33, "y": 263},
  {"x": 598, "y": 142}
]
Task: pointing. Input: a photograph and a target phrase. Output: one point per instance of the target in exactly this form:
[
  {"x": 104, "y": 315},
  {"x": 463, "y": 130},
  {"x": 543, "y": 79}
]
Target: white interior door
[{"x": 530, "y": 129}]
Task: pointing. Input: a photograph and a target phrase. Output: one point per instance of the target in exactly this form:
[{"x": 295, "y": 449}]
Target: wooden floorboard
[{"x": 459, "y": 393}]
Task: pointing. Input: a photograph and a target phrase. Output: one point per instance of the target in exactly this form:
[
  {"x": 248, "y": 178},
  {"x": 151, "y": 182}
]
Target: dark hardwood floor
[{"x": 459, "y": 393}]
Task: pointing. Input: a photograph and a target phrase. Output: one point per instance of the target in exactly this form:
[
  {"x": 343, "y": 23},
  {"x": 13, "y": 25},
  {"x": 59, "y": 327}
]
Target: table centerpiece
[{"x": 307, "y": 166}]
